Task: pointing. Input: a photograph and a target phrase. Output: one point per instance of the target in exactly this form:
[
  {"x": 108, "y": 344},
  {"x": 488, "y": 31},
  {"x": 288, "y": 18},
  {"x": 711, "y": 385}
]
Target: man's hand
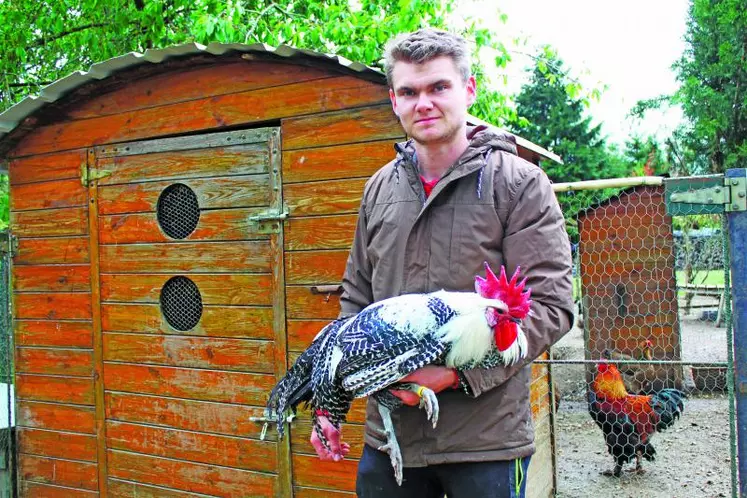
[
  {"x": 435, "y": 378},
  {"x": 337, "y": 448}
]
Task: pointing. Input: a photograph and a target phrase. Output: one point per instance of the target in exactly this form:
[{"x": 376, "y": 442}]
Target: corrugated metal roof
[
  {"x": 54, "y": 92},
  {"x": 12, "y": 117}
]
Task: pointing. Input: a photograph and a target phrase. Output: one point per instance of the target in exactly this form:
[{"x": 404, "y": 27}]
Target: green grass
[{"x": 703, "y": 277}]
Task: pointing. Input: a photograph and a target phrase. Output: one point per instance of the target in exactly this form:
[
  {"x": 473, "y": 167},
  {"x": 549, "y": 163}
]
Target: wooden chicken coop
[
  {"x": 626, "y": 250},
  {"x": 177, "y": 215}
]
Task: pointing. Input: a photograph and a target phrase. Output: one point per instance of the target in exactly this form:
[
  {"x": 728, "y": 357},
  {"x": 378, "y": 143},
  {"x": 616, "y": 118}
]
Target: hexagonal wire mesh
[
  {"x": 181, "y": 303},
  {"x": 178, "y": 211},
  {"x": 653, "y": 320}
]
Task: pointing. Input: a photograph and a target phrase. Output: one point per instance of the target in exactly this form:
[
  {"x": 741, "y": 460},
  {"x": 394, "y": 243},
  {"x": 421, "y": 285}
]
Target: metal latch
[
  {"x": 87, "y": 176},
  {"x": 268, "y": 221},
  {"x": 8, "y": 244},
  {"x": 270, "y": 418},
  {"x": 733, "y": 195}
]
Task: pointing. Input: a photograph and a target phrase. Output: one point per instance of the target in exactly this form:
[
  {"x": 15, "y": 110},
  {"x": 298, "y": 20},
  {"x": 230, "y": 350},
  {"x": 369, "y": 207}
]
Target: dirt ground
[{"x": 693, "y": 457}]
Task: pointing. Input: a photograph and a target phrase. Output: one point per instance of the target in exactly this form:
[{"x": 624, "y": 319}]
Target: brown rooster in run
[
  {"x": 628, "y": 421},
  {"x": 639, "y": 378}
]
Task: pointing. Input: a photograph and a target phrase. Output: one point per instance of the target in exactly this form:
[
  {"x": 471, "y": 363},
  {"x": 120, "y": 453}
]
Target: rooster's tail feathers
[
  {"x": 292, "y": 389},
  {"x": 296, "y": 385},
  {"x": 668, "y": 404}
]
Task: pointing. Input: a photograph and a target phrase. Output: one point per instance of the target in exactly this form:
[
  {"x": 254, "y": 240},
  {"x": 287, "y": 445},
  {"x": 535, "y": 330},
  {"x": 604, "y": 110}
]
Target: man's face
[{"x": 431, "y": 99}]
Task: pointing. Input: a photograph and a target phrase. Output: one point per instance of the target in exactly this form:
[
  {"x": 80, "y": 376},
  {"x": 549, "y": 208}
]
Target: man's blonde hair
[{"x": 425, "y": 45}]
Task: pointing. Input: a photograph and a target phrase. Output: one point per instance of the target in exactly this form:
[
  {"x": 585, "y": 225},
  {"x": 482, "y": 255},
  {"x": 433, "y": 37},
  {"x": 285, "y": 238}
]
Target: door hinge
[
  {"x": 87, "y": 175},
  {"x": 268, "y": 221},
  {"x": 8, "y": 244},
  {"x": 732, "y": 195}
]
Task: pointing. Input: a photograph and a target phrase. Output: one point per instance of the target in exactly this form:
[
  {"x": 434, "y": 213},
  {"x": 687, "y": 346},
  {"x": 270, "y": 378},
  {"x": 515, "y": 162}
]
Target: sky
[{"x": 629, "y": 46}]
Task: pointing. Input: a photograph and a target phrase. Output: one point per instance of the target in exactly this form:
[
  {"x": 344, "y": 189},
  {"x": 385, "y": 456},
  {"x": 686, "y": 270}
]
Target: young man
[{"x": 454, "y": 197}]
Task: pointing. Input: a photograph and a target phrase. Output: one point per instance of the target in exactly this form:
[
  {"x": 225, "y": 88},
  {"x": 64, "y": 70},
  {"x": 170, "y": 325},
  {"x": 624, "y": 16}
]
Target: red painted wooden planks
[
  {"x": 197, "y": 352},
  {"x": 215, "y": 257},
  {"x": 348, "y": 126},
  {"x": 52, "y": 278},
  {"x": 54, "y": 416},
  {"x": 58, "y": 389},
  {"x": 216, "y": 321},
  {"x": 47, "y": 195},
  {"x": 213, "y": 225},
  {"x": 40, "y": 490},
  {"x": 41, "y": 168},
  {"x": 357, "y": 160},
  {"x": 227, "y": 451},
  {"x": 57, "y": 444},
  {"x": 215, "y": 289},
  {"x": 310, "y": 471},
  {"x": 50, "y": 222},
  {"x": 53, "y": 361},
  {"x": 59, "y": 250},
  {"x": 53, "y": 306},
  {"x": 322, "y": 198},
  {"x": 186, "y": 414},
  {"x": 72, "y": 334},
  {"x": 247, "y": 159},
  {"x": 303, "y": 304},
  {"x": 81, "y": 475},
  {"x": 320, "y": 232},
  {"x": 188, "y": 476},
  {"x": 207, "y": 385},
  {"x": 315, "y": 267},
  {"x": 192, "y": 83},
  {"x": 212, "y": 193},
  {"x": 206, "y": 113}
]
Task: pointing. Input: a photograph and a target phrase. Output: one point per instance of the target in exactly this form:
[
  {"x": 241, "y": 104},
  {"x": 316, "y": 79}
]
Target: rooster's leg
[
  {"x": 617, "y": 471},
  {"x": 428, "y": 400},
  {"x": 391, "y": 446},
  {"x": 638, "y": 463}
]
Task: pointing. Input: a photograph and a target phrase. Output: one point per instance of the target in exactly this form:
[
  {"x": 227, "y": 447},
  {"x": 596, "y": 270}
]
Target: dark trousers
[{"x": 504, "y": 479}]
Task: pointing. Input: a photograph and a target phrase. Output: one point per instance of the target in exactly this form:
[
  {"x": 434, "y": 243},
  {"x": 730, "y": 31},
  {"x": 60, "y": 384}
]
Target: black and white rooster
[{"x": 368, "y": 353}]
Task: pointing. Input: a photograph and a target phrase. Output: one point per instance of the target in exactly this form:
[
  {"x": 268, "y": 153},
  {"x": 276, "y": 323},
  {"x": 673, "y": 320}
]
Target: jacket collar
[{"x": 482, "y": 141}]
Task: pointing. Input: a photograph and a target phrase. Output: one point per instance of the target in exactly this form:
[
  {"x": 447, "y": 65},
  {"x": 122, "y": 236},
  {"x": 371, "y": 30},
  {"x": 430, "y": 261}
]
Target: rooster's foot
[
  {"x": 428, "y": 400},
  {"x": 616, "y": 472},
  {"x": 637, "y": 470},
  {"x": 392, "y": 446}
]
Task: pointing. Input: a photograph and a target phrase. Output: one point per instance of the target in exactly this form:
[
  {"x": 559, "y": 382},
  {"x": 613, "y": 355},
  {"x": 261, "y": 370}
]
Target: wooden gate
[{"x": 189, "y": 313}]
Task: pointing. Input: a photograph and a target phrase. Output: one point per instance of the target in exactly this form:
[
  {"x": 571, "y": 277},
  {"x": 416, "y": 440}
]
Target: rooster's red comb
[{"x": 512, "y": 292}]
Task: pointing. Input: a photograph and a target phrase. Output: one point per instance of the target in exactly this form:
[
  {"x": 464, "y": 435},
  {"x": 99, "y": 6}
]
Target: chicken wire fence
[{"x": 652, "y": 294}]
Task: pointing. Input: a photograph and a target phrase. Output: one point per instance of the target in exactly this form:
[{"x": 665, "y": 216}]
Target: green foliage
[
  {"x": 45, "y": 40},
  {"x": 553, "y": 110},
  {"x": 645, "y": 157},
  {"x": 4, "y": 202},
  {"x": 713, "y": 90},
  {"x": 556, "y": 120}
]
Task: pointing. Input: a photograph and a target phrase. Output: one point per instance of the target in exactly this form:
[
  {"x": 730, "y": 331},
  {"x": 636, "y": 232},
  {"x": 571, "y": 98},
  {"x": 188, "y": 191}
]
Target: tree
[
  {"x": 42, "y": 41},
  {"x": 554, "y": 118},
  {"x": 645, "y": 157},
  {"x": 713, "y": 89}
]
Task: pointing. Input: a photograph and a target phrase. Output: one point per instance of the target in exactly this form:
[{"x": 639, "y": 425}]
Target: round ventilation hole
[
  {"x": 181, "y": 303},
  {"x": 178, "y": 211}
]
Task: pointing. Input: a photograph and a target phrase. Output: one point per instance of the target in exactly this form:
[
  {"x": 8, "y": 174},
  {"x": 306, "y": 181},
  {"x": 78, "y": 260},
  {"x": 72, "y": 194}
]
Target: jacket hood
[{"x": 481, "y": 140}]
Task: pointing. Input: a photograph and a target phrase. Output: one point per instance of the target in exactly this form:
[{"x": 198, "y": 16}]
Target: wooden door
[{"x": 189, "y": 314}]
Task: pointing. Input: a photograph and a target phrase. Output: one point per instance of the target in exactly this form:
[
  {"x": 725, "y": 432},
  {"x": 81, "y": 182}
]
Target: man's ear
[
  {"x": 471, "y": 90},
  {"x": 393, "y": 100}
]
